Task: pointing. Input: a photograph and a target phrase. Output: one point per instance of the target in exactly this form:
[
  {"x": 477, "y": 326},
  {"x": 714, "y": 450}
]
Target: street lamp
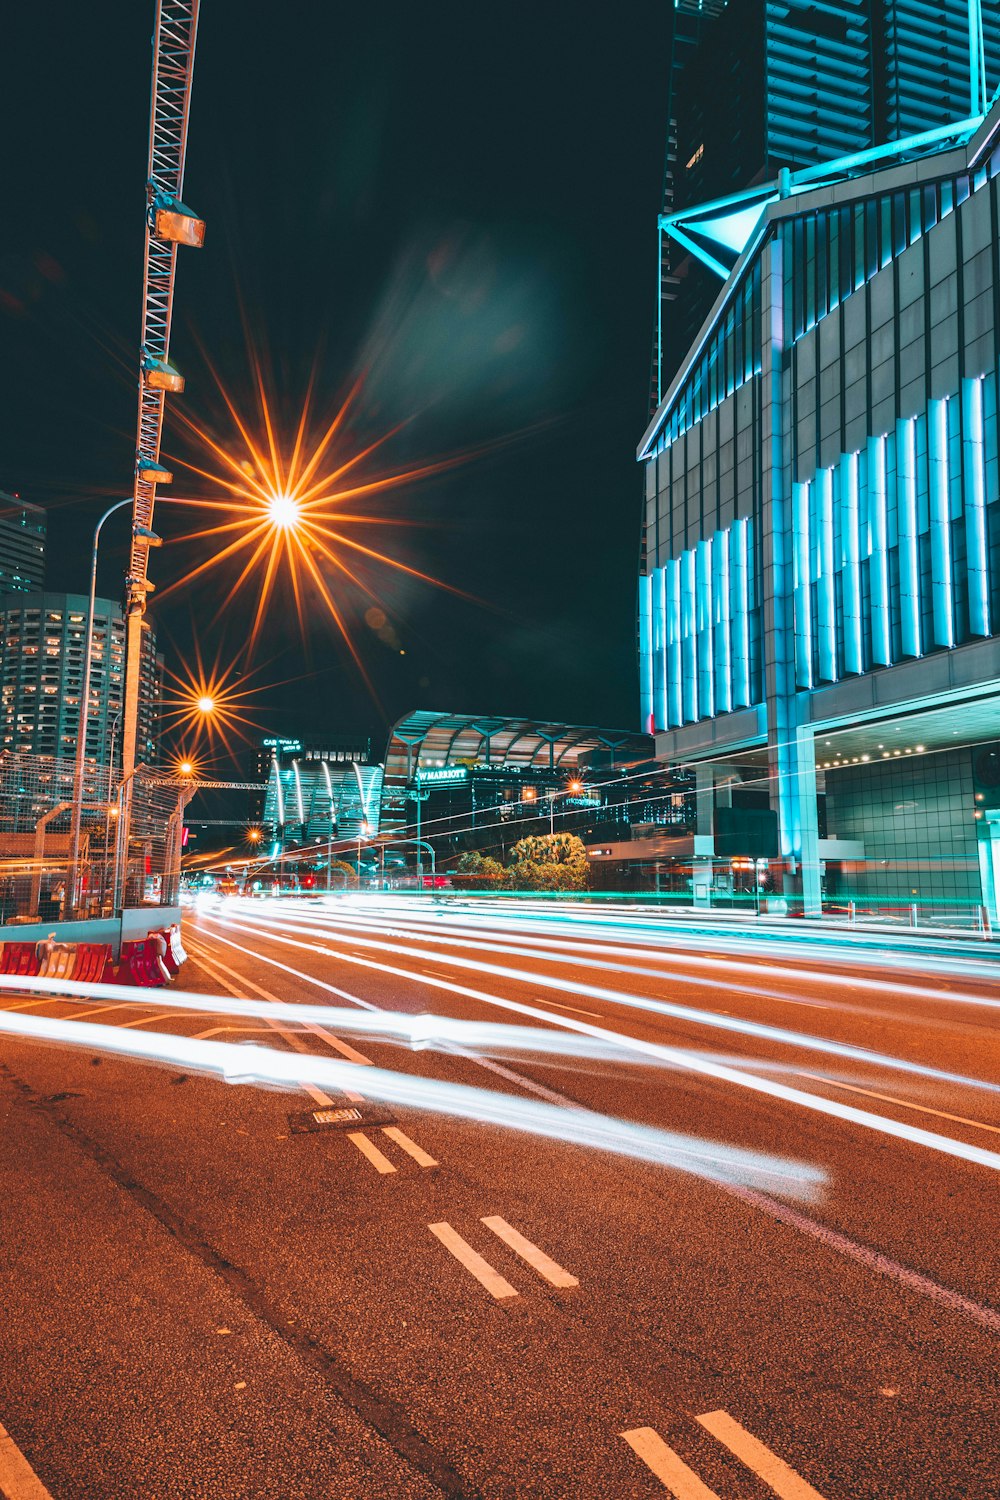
[{"x": 81, "y": 741}]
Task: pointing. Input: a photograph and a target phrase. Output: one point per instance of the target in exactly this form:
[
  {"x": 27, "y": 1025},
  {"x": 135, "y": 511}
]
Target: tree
[
  {"x": 479, "y": 872},
  {"x": 549, "y": 862}
]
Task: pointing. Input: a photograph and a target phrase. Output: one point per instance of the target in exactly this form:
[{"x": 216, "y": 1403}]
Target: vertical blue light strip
[
  {"x": 675, "y": 710},
  {"x": 878, "y": 524},
  {"x": 801, "y": 586},
  {"x": 906, "y": 514},
  {"x": 722, "y": 620},
  {"x": 825, "y": 595},
  {"x": 879, "y": 554},
  {"x": 974, "y": 502},
  {"x": 645, "y": 653},
  {"x": 706, "y": 653},
  {"x": 689, "y": 638},
  {"x": 942, "y": 592},
  {"x": 740, "y": 596},
  {"x": 658, "y": 608},
  {"x": 850, "y": 541}
]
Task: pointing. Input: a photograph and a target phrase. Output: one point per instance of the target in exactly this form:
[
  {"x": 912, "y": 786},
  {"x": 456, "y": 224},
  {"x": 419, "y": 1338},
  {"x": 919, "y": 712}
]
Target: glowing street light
[
  {"x": 205, "y": 705},
  {"x": 284, "y": 512}
]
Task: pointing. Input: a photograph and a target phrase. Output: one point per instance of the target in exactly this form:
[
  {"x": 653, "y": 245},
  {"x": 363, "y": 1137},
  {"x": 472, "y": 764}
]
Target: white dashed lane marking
[
  {"x": 683, "y": 1483},
  {"x": 473, "y": 1262},
  {"x": 546, "y": 1267},
  {"x": 18, "y": 1480}
]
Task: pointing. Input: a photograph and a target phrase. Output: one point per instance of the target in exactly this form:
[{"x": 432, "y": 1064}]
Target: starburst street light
[
  {"x": 214, "y": 698},
  {"x": 283, "y": 510}
]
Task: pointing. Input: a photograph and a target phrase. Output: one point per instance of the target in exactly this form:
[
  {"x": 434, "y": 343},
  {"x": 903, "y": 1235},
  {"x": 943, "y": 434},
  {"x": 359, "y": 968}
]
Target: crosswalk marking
[
  {"x": 411, "y": 1148},
  {"x": 682, "y": 1482},
  {"x": 553, "y": 1273},
  {"x": 367, "y": 1148},
  {"x": 472, "y": 1261},
  {"x": 778, "y": 1475}
]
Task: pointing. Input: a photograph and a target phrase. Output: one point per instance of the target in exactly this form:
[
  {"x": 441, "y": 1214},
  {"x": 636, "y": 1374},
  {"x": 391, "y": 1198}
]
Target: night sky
[{"x": 457, "y": 202}]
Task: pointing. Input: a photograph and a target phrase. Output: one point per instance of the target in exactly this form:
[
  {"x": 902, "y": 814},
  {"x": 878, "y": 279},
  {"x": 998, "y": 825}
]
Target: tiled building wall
[{"x": 917, "y": 820}]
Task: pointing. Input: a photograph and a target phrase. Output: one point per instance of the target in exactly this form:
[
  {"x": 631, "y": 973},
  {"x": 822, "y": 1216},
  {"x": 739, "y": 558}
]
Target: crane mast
[{"x": 168, "y": 223}]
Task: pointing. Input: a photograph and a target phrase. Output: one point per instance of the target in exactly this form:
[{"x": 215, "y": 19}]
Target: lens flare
[{"x": 282, "y": 513}]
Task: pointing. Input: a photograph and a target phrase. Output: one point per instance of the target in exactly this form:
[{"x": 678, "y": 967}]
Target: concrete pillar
[{"x": 704, "y": 791}]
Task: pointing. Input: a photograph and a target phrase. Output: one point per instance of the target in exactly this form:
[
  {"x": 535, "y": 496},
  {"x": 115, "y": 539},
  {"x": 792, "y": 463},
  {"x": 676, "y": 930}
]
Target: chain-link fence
[{"x": 129, "y": 847}]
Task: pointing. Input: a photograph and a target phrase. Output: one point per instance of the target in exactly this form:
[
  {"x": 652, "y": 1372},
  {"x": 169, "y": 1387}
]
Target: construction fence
[{"x": 128, "y": 853}]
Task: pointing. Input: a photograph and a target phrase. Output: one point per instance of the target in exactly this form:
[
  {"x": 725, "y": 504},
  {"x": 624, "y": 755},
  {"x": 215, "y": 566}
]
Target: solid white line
[
  {"x": 411, "y": 1148},
  {"x": 902, "y": 1103},
  {"x": 18, "y": 1480},
  {"x": 367, "y": 1148},
  {"x": 594, "y": 1014},
  {"x": 682, "y": 1482},
  {"x": 316, "y": 1094},
  {"x": 778, "y": 1475},
  {"x": 342, "y": 1047},
  {"x": 473, "y": 1262},
  {"x": 543, "y": 1264}
]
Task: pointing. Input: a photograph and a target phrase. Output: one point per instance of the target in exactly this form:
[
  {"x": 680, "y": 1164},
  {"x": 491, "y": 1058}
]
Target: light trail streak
[
  {"x": 651, "y": 932},
  {"x": 880, "y": 1124},
  {"x": 565, "y": 951},
  {"x": 249, "y": 1063},
  {"x": 563, "y": 984}
]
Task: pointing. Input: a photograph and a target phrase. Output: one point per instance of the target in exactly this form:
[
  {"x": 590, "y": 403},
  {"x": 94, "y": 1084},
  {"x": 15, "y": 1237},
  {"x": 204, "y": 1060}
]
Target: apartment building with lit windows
[{"x": 42, "y": 643}]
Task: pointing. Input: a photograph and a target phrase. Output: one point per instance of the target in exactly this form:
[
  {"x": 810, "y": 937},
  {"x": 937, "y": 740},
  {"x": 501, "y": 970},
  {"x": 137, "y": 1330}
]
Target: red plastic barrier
[
  {"x": 141, "y": 962},
  {"x": 19, "y": 958},
  {"x": 92, "y": 959}
]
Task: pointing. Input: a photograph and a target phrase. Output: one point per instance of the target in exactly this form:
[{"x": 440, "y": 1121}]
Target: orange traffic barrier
[{"x": 19, "y": 958}]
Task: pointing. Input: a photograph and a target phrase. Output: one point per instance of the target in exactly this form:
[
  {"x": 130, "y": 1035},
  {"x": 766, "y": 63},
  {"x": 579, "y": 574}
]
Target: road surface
[{"x": 539, "y": 1202}]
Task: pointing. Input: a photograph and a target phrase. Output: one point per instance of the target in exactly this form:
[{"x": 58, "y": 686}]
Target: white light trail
[
  {"x": 567, "y": 985},
  {"x": 249, "y": 1063},
  {"x": 695, "y": 1063}
]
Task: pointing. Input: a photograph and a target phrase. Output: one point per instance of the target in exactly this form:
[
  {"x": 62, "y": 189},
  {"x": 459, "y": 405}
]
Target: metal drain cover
[{"x": 340, "y": 1114}]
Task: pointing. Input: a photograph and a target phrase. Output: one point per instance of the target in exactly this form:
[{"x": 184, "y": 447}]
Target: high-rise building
[
  {"x": 22, "y": 545},
  {"x": 820, "y": 606},
  {"x": 42, "y": 641},
  {"x": 761, "y": 85}
]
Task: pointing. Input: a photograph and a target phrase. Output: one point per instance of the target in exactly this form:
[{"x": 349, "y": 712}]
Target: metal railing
[{"x": 39, "y": 879}]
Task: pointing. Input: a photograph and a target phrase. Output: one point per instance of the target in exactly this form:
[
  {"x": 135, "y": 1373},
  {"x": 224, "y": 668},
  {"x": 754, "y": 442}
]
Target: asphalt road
[{"x": 649, "y": 1208}]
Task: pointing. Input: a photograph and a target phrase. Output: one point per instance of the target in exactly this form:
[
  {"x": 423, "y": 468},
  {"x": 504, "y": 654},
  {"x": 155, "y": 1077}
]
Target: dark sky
[{"x": 457, "y": 201}]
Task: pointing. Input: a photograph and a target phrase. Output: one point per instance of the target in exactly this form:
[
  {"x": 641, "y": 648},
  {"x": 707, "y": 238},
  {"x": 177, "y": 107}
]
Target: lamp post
[{"x": 81, "y": 741}]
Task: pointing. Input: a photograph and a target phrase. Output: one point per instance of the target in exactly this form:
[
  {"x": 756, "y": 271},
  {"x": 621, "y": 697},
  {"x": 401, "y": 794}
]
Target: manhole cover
[{"x": 340, "y": 1114}]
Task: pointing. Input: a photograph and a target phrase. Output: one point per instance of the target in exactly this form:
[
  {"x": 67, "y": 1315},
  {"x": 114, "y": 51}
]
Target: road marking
[
  {"x": 472, "y": 1261},
  {"x": 543, "y": 1264},
  {"x": 411, "y": 1148},
  {"x": 594, "y": 1014},
  {"x": 343, "y": 1048},
  {"x": 775, "y": 1473},
  {"x": 18, "y": 1480},
  {"x": 924, "y": 1109},
  {"x": 682, "y": 1482},
  {"x": 368, "y": 1148}
]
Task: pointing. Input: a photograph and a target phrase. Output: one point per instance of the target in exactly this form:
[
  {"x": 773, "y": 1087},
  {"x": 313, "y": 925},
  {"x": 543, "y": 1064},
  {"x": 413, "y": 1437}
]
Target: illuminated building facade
[
  {"x": 820, "y": 603},
  {"x": 42, "y": 639},
  {"x": 317, "y": 792},
  {"x": 22, "y": 545},
  {"x": 476, "y": 781},
  {"x": 758, "y": 85}
]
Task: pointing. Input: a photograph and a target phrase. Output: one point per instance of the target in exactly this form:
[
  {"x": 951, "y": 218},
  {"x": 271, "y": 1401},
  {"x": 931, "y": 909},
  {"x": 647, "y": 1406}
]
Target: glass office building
[
  {"x": 758, "y": 85},
  {"x": 22, "y": 545},
  {"x": 820, "y": 605}
]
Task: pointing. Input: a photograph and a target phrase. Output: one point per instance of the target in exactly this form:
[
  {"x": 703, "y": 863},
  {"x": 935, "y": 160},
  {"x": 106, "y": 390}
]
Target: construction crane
[{"x": 169, "y": 223}]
